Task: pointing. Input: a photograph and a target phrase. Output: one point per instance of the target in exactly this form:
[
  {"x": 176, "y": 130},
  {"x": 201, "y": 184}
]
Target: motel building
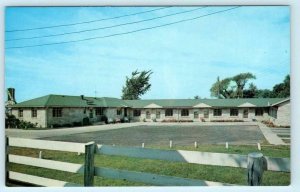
[{"x": 51, "y": 110}]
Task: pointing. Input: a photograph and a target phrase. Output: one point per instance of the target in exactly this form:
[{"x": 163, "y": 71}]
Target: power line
[
  {"x": 85, "y": 22},
  {"x": 123, "y": 33},
  {"x": 107, "y": 27}
]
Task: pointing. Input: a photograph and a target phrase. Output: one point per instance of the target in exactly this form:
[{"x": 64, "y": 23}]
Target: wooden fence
[{"x": 89, "y": 170}]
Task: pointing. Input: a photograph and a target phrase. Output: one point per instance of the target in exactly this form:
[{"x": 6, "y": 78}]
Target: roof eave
[{"x": 282, "y": 101}]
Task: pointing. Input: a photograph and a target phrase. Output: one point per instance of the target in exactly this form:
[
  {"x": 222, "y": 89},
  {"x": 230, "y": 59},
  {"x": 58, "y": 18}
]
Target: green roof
[
  {"x": 259, "y": 102},
  {"x": 72, "y": 101},
  {"x": 78, "y": 101}
]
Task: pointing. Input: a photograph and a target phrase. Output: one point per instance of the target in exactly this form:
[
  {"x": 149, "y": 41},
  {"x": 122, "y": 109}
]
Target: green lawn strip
[
  {"x": 68, "y": 177},
  {"x": 193, "y": 171},
  {"x": 271, "y": 151}
]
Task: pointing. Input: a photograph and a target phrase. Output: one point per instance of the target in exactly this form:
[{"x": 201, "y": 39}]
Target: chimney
[
  {"x": 11, "y": 94},
  {"x": 82, "y": 97}
]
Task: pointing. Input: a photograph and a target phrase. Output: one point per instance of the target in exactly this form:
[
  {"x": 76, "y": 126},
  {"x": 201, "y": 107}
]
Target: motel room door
[
  {"x": 245, "y": 113},
  {"x": 125, "y": 112}
]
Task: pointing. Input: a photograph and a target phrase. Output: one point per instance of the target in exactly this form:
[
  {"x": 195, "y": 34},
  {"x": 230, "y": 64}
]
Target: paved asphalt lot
[{"x": 160, "y": 135}]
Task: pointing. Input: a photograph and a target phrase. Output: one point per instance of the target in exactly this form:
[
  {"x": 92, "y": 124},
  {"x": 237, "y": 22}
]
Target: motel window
[
  {"x": 157, "y": 114},
  {"x": 234, "y": 112},
  {"x": 206, "y": 113},
  {"x": 99, "y": 111},
  {"x": 259, "y": 112},
  {"x": 273, "y": 112},
  {"x": 184, "y": 112},
  {"x": 169, "y": 112},
  {"x": 217, "y": 112},
  {"x": 136, "y": 113},
  {"x": 196, "y": 114},
  {"x": 33, "y": 112},
  {"x": 148, "y": 114},
  {"x": 20, "y": 113},
  {"x": 91, "y": 114},
  {"x": 119, "y": 111},
  {"x": 57, "y": 112}
]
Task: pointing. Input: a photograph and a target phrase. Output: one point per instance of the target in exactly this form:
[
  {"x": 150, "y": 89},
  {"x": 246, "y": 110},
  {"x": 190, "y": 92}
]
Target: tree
[
  {"x": 220, "y": 89},
  {"x": 282, "y": 90},
  {"x": 231, "y": 87},
  {"x": 251, "y": 92},
  {"x": 137, "y": 85},
  {"x": 197, "y": 97},
  {"x": 241, "y": 80},
  {"x": 264, "y": 93}
]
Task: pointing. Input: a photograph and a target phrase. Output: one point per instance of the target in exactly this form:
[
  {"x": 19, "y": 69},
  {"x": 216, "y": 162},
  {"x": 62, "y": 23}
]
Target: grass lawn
[{"x": 193, "y": 171}]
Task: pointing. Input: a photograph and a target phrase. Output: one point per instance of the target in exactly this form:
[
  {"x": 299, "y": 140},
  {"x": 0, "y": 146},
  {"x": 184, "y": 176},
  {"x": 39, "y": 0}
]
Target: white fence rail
[
  {"x": 41, "y": 181},
  {"x": 204, "y": 158},
  {"x": 134, "y": 176}
]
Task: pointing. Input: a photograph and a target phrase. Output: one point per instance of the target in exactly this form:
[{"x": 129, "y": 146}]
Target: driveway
[{"x": 34, "y": 134}]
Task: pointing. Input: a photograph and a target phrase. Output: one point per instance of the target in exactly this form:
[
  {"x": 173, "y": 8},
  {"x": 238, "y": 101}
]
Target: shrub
[
  {"x": 12, "y": 122},
  {"x": 56, "y": 125},
  {"x": 26, "y": 125},
  {"x": 175, "y": 120},
  {"x": 67, "y": 125},
  {"x": 117, "y": 120},
  {"x": 85, "y": 121},
  {"x": 271, "y": 124},
  {"x": 227, "y": 120},
  {"x": 77, "y": 124},
  {"x": 110, "y": 120},
  {"x": 126, "y": 120},
  {"x": 169, "y": 120},
  {"x": 104, "y": 118},
  {"x": 185, "y": 121}
]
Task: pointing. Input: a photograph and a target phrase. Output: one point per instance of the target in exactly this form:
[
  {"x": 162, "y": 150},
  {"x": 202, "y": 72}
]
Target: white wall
[
  {"x": 283, "y": 115},
  {"x": 40, "y": 119}
]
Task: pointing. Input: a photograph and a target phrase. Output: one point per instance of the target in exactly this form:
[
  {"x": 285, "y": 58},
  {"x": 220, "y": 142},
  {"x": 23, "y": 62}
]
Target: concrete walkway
[
  {"x": 283, "y": 133},
  {"x": 271, "y": 137}
]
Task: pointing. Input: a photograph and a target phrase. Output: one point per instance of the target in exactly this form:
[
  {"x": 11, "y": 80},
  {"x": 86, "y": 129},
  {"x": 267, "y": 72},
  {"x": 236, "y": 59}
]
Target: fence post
[
  {"x": 255, "y": 168},
  {"x": 6, "y": 159},
  {"x": 89, "y": 170}
]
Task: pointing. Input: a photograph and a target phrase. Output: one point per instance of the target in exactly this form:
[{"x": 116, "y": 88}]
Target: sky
[{"x": 185, "y": 58}]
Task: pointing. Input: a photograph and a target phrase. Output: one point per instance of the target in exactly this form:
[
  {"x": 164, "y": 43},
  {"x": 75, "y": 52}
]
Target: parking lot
[{"x": 161, "y": 135}]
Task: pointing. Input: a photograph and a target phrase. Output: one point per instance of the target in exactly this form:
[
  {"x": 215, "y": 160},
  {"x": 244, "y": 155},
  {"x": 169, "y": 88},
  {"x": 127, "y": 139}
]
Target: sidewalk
[
  {"x": 271, "y": 137},
  {"x": 34, "y": 134}
]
